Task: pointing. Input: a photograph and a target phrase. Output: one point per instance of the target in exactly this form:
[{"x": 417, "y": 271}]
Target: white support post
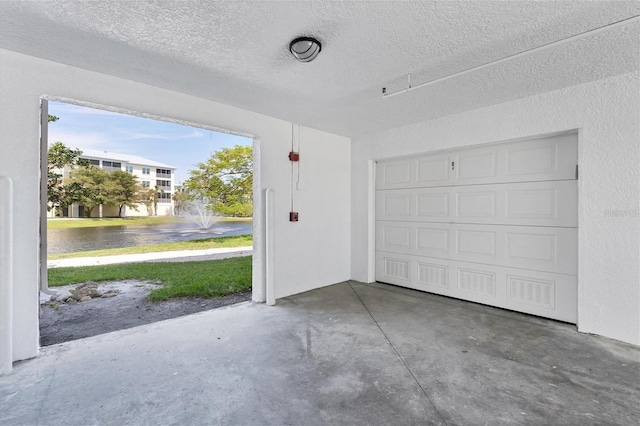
[
  {"x": 269, "y": 198},
  {"x": 371, "y": 224},
  {"x": 44, "y": 200},
  {"x": 6, "y": 275}
]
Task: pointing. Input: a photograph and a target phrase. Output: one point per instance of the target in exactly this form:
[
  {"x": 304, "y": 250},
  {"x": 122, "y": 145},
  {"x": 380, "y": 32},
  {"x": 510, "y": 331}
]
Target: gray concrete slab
[
  {"x": 482, "y": 365},
  {"x": 346, "y": 354}
]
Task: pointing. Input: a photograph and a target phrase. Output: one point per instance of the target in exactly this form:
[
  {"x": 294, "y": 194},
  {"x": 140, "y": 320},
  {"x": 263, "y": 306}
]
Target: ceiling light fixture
[{"x": 305, "y": 49}]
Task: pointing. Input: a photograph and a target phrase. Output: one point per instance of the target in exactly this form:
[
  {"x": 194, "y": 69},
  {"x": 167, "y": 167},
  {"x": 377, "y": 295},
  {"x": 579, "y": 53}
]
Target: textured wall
[
  {"x": 606, "y": 113},
  {"x": 309, "y": 254}
]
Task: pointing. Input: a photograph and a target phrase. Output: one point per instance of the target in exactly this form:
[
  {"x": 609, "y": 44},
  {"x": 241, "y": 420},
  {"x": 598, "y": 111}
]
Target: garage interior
[
  {"x": 350, "y": 353},
  {"x": 480, "y": 158}
]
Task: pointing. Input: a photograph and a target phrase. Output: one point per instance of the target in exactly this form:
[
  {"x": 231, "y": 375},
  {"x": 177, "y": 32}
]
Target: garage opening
[
  {"x": 142, "y": 220},
  {"x": 492, "y": 224}
]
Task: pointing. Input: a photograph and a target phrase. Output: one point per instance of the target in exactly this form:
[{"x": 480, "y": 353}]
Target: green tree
[
  {"x": 225, "y": 181},
  {"x": 148, "y": 197},
  {"x": 121, "y": 189},
  {"x": 73, "y": 193},
  {"x": 60, "y": 193},
  {"x": 180, "y": 199},
  {"x": 93, "y": 182}
]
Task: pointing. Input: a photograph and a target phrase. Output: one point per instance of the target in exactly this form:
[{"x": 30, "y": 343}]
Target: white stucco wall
[
  {"x": 309, "y": 254},
  {"x": 607, "y": 115}
]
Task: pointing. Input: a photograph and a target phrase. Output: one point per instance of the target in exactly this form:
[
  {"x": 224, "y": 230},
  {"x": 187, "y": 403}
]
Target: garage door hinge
[{"x": 576, "y": 172}]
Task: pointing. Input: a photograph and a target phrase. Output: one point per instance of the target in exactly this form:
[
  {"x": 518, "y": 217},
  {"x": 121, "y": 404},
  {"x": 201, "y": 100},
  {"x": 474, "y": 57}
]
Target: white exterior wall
[
  {"x": 137, "y": 172},
  {"x": 108, "y": 210},
  {"x": 309, "y": 254},
  {"x": 164, "y": 209},
  {"x": 607, "y": 115}
]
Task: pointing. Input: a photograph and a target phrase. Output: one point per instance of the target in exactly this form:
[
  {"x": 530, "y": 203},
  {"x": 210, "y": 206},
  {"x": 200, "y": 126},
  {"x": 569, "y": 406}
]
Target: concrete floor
[{"x": 346, "y": 354}]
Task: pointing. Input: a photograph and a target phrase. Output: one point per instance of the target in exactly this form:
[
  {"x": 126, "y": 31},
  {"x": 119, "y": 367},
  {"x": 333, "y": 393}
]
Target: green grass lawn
[
  {"x": 64, "y": 223},
  {"x": 218, "y": 242},
  {"x": 209, "y": 279}
]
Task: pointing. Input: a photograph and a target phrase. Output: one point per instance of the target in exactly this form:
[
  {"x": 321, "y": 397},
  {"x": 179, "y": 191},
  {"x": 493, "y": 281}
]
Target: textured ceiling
[{"x": 236, "y": 52}]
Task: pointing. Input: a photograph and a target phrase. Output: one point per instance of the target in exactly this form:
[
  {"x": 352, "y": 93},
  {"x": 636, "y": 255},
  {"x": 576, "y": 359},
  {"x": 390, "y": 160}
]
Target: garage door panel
[
  {"x": 494, "y": 224},
  {"x": 473, "y": 204},
  {"x": 538, "y": 293},
  {"x": 394, "y": 174},
  {"x": 431, "y": 274},
  {"x": 476, "y": 245},
  {"x": 397, "y": 236},
  {"x": 397, "y": 205},
  {"x": 396, "y": 269},
  {"x": 527, "y": 160},
  {"x": 536, "y": 248},
  {"x": 432, "y": 205},
  {"x": 529, "y": 204},
  {"x": 552, "y": 158},
  {"x": 532, "y": 203},
  {"x": 432, "y": 170},
  {"x": 532, "y": 247},
  {"x": 542, "y": 249},
  {"x": 549, "y": 159},
  {"x": 432, "y": 241},
  {"x": 480, "y": 163},
  {"x": 475, "y": 282},
  {"x": 529, "y": 291}
]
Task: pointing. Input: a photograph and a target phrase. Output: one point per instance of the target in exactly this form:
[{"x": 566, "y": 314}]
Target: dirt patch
[{"x": 61, "y": 322}]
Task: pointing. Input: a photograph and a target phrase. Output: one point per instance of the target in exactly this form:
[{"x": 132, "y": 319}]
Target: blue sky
[{"x": 172, "y": 144}]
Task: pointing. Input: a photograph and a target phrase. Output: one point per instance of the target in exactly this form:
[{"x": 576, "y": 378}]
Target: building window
[
  {"x": 163, "y": 183},
  {"x": 146, "y": 184},
  {"x": 146, "y": 171},
  {"x": 111, "y": 165},
  {"x": 163, "y": 173},
  {"x": 129, "y": 169},
  {"x": 164, "y": 197},
  {"x": 92, "y": 162}
]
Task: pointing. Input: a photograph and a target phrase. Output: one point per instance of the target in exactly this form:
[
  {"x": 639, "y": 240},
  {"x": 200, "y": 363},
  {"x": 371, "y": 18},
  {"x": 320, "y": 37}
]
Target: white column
[
  {"x": 6, "y": 275},
  {"x": 270, "y": 245}
]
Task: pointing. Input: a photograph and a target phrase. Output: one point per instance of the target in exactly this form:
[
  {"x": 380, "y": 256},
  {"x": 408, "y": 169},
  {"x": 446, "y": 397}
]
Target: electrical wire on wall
[
  {"x": 298, "y": 163},
  {"x": 294, "y": 156},
  {"x": 292, "y": 165}
]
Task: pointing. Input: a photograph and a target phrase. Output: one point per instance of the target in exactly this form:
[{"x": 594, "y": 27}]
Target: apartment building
[{"x": 149, "y": 173}]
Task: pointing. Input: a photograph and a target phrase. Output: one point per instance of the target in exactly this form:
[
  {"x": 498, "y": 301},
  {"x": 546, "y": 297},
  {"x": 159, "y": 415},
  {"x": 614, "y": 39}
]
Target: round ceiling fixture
[{"x": 305, "y": 49}]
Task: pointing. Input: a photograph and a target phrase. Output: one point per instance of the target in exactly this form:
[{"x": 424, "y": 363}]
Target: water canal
[{"x": 104, "y": 237}]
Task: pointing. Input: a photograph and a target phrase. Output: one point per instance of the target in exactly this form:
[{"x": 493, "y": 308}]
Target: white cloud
[{"x": 86, "y": 140}]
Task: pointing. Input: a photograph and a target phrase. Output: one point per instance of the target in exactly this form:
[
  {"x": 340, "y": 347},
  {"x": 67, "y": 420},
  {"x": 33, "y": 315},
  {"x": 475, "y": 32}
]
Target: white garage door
[{"x": 494, "y": 224}]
